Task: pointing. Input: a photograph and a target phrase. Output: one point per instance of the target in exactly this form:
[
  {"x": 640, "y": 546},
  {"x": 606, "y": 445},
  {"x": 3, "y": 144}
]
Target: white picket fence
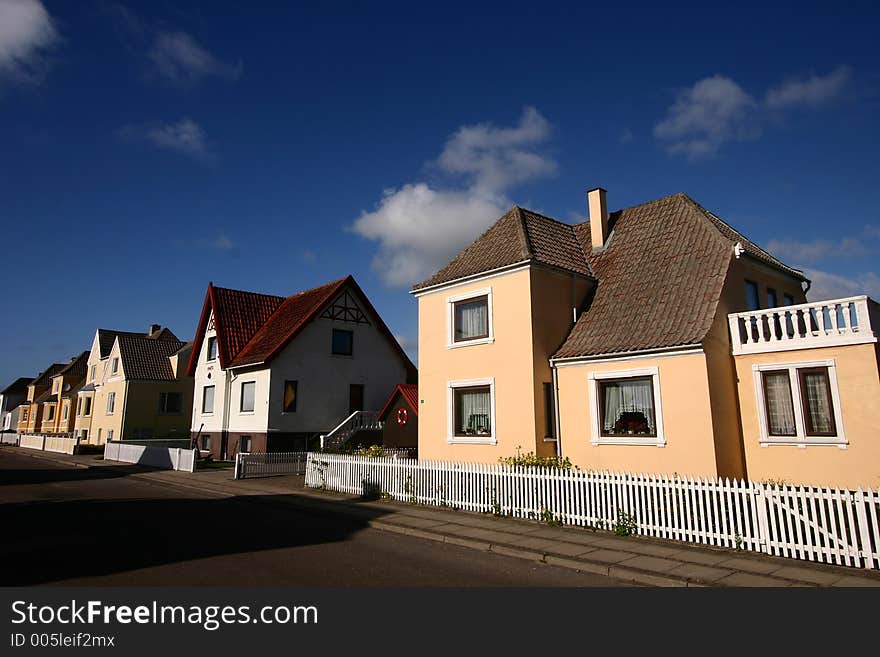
[
  {"x": 60, "y": 445},
  {"x": 169, "y": 458},
  {"x": 8, "y": 438},
  {"x": 269, "y": 464},
  {"x": 31, "y": 441},
  {"x": 817, "y": 524}
]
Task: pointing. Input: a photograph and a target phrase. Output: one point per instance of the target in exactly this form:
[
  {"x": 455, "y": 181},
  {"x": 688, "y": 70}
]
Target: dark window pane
[
  {"x": 343, "y": 342},
  {"x": 772, "y": 300},
  {"x": 289, "y": 396},
  {"x": 753, "y": 302},
  {"x": 212, "y": 348},
  {"x": 549, "y": 412}
]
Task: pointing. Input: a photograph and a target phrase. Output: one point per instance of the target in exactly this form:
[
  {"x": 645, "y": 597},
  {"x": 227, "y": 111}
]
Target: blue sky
[{"x": 148, "y": 148}]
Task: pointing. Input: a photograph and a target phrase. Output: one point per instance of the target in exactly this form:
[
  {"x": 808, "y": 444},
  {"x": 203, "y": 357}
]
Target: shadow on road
[
  {"x": 127, "y": 534},
  {"x": 22, "y": 476}
]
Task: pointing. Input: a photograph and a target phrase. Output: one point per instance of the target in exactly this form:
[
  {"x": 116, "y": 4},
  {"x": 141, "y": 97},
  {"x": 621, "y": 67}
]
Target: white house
[{"x": 272, "y": 372}]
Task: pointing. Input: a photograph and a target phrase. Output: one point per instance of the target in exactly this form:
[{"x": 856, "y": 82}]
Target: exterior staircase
[{"x": 353, "y": 424}]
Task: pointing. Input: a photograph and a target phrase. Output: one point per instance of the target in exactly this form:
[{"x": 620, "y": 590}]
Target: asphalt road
[{"x": 98, "y": 526}]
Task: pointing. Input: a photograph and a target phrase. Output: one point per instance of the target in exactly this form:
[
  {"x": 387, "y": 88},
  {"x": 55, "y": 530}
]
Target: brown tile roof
[
  {"x": 410, "y": 393},
  {"x": 17, "y": 387},
  {"x": 519, "y": 235},
  {"x": 77, "y": 366},
  {"x": 44, "y": 377},
  {"x": 660, "y": 278},
  {"x": 106, "y": 338},
  {"x": 147, "y": 359}
]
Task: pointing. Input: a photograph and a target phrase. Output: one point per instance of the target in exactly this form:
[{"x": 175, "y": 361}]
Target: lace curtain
[
  {"x": 473, "y": 411},
  {"x": 471, "y": 319},
  {"x": 625, "y": 404},
  {"x": 819, "y": 418},
  {"x": 780, "y": 410}
]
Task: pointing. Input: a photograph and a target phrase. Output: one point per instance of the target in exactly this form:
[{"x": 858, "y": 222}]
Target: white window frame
[
  {"x": 801, "y": 439},
  {"x": 208, "y": 358},
  {"x": 597, "y": 438},
  {"x": 114, "y": 366},
  {"x": 213, "y": 400},
  {"x": 241, "y": 397},
  {"x": 111, "y": 403},
  {"x": 450, "y": 318},
  {"x": 451, "y": 438}
]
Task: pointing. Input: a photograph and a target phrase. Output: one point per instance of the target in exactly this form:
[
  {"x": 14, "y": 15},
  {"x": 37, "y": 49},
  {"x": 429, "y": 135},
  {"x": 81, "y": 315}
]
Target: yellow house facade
[
  {"x": 137, "y": 388},
  {"x": 608, "y": 343}
]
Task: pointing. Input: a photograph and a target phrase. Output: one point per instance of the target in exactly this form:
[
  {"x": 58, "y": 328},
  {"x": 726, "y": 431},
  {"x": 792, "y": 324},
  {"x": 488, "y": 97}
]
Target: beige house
[
  {"x": 609, "y": 342},
  {"x": 136, "y": 388},
  {"x": 58, "y": 407}
]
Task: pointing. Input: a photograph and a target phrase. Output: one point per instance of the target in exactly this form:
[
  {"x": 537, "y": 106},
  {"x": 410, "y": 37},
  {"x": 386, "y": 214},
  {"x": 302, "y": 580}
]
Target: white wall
[{"x": 323, "y": 381}]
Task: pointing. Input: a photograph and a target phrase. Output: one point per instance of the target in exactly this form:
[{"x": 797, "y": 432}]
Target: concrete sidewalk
[{"x": 636, "y": 559}]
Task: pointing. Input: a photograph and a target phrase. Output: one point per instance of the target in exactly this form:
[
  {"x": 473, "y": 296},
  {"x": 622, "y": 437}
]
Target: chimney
[
  {"x": 598, "y": 217},
  {"x": 154, "y": 328}
]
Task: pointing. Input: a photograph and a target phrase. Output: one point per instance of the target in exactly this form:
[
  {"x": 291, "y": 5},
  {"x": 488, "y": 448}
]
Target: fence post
[
  {"x": 763, "y": 520},
  {"x": 237, "y": 465},
  {"x": 863, "y": 549}
]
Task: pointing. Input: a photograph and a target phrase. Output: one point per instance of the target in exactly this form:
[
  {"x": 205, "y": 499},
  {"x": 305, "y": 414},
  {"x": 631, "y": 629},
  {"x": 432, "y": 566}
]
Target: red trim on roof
[
  {"x": 200, "y": 332},
  {"x": 410, "y": 394}
]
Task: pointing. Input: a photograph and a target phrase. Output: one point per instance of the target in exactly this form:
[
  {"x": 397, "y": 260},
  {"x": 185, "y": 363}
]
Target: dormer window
[
  {"x": 212, "y": 348},
  {"x": 470, "y": 318}
]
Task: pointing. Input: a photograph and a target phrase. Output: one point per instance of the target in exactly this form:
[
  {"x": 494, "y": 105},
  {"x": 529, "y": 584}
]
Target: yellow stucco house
[
  {"x": 136, "y": 387},
  {"x": 652, "y": 339},
  {"x": 30, "y": 419}
]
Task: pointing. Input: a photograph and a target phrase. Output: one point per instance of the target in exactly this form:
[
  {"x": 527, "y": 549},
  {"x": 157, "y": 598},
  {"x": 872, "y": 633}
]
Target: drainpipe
[
  {"x": 124, "y": 406},
  {"x": 556, "y": 421}
]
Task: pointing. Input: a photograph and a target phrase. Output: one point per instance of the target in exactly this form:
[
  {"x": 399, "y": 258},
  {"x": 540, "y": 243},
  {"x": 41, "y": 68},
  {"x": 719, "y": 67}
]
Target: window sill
[
  {"x": 475, "y": 440},
  {"x": 653, "y": 441},
  {"x": 245, "y": 412},
  {"x": 824, "y": 441},
  {"x": 470, "y": 343}
]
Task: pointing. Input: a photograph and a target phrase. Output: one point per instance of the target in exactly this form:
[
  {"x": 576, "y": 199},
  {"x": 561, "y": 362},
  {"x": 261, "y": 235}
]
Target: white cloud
[
  {"x": 27, "y": 32},
  {"x": 715, "y": 110},
  {"x": 800, "y": 253},
  {"x": 826, "y": 285},
  {"x": 419, "y": 227},
  {"x": 811, "y": 92},
  {"x": 185, "y": 136},
  {"x": 181, "y": 60}
]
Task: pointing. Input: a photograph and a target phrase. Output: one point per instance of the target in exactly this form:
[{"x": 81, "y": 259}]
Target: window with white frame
[
  {"x": 625, "y": 407},
  {"x": 93, "y": 373},
  {"x": 115, "y": 366},
  {"x": 469, "y": 318},
  {"x": 799, "y": 403},
  {"x": 248, "y": 391},
  {"x": 471, "y": 412},
  {"x": 212, "y": 348},
  {"x": 111, "y": 402},
  {"x": 207, "y": 400}
]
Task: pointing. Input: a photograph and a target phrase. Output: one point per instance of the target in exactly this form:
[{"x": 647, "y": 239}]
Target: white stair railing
[{"x": 357, "y": 421}]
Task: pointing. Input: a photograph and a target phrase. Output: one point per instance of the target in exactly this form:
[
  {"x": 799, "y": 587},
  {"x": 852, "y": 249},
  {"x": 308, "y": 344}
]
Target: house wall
[
  {"x": 324, "y": 379},
  {"x": 395, "y": 435},
  {"x": 858, "y": 377},
  {"x": 142, "y": 410},
  {"x": 553, "y": 296},
  {"x": 102, "y": 422},
  {"x": 685, "y": 409},
  {"x": 509, "y": 360}
]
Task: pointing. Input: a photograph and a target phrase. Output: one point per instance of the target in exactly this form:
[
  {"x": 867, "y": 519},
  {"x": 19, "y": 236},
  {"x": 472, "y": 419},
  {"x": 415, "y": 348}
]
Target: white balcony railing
[{"x": 805, "y": 326}]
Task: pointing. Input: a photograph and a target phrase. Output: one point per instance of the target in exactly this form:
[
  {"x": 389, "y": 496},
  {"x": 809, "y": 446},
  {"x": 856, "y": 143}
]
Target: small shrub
[
  {"x": 548, "y": 517},
  {"x": 532, "y": 460},
  {"x": 625, "y": 525}
]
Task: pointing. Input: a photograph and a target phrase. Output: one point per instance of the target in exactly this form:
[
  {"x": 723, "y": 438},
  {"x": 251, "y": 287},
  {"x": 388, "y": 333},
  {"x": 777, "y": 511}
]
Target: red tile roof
[
  {"x": 409, "y": 392},
  {"x": 287, "y": 320},
  {"x": 253, "y": 328}
]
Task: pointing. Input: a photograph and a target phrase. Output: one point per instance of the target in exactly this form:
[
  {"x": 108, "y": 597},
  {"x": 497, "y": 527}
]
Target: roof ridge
[
  {"x": 262, "y": 294},
  {"x": 529, "y": 245}
]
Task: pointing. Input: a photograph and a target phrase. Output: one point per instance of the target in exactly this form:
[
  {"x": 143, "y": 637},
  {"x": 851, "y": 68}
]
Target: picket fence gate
[
  {"x": 817, "y": 524},
  {"x": 269, "y": 464}
]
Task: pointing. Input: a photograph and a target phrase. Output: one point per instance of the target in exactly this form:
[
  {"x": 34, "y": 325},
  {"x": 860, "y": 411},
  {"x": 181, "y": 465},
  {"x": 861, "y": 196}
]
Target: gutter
[{"x": 627, "y": 355}]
